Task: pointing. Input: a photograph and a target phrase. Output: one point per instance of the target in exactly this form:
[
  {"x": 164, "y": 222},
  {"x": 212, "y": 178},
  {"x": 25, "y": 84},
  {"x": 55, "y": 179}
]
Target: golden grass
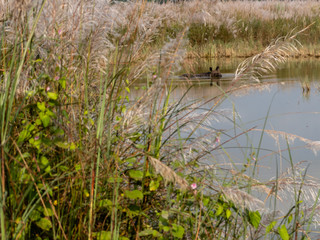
[{"x": 235, "y": 28}]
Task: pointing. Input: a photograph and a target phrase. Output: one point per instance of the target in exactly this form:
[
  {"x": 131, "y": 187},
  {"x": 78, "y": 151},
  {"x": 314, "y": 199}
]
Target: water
[{"x": 278, "y": 103}]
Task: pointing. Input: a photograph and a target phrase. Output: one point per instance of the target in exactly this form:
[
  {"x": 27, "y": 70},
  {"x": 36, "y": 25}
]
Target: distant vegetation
[{"x": 80, "y": 159}]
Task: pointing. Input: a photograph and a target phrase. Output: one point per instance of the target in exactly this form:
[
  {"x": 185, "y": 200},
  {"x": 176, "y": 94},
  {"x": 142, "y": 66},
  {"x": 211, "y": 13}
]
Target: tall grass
[
  {"x": 81, "y": 160},
  {"x": 215, "y": 29}
]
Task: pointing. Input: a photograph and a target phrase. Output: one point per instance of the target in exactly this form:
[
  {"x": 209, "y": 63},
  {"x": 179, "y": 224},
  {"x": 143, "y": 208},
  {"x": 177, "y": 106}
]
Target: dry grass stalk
[
  {"x": 256, "y": 184},
  {"x": 168, "y": 174},
  {"x": 294, "y": 183},
  {"x": 268, "y": 61},
  {"x": 312, "y": 145},
  {"x": 242, "y": 199},
  {"x": 265, "y": 62},
  {"x": 245, "y": 89}
]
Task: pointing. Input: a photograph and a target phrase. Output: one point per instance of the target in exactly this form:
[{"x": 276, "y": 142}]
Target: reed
[
  {"x": 215, "y": 29},
  {"x": 80, "y": 159}
]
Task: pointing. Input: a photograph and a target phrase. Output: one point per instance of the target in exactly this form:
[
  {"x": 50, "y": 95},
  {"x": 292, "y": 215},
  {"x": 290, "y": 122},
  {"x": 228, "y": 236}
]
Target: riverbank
[
  {"x": 208, "y": 29},
  {"x": 244, "y": 50}
]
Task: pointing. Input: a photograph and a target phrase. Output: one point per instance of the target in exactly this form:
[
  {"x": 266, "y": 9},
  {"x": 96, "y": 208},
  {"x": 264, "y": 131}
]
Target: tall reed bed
[
  {"x": 215, "y": 29},
  {"x": 81, "y": 160}
]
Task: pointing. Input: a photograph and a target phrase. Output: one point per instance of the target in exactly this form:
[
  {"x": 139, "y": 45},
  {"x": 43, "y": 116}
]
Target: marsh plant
[{"x": 81, "y": 159}]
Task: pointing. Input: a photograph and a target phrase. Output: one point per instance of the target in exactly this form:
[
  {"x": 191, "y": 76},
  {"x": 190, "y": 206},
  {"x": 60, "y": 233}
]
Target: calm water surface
[{"x": 278, "y": 103}]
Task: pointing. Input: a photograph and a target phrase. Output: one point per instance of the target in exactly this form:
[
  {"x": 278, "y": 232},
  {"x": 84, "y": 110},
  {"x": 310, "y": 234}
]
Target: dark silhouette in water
[
  {"x": 215, "y": 76},
  {"x": 216, "y": 73},
  {"x": 209, "y": 72},
  {"x": 199, "y": 75}
]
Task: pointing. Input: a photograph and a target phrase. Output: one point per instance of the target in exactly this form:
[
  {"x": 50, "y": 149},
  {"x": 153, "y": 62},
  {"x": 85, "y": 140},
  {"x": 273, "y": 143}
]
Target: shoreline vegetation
[
  {"x": 81, "y": 160},
  {"x": 214, "y": 29}
]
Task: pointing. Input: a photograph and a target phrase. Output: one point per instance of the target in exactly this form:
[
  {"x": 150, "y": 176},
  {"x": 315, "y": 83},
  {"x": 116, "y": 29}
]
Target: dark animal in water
[
  {"x": 199, "y": 75},
  {"x": 216, "y": 73},
  {"x": 215, "y": 76}
]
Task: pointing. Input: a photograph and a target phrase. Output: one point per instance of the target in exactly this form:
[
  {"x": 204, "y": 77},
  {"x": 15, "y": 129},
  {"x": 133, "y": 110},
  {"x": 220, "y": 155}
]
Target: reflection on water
[
  {"x": 286, "y": 101},
  {"x": 283, "y": 110}
]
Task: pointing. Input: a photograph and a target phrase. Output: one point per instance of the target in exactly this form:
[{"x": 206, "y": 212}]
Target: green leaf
[
  {"x": 270, "y": 226},
  {"x": 148, "y": 174},
  {"x": 135, "y": 194},
  {"x": 77, "y": 167},
  {"x": 24, "y": 155},
  {"x": 65, "y": 114},
  {"x": 254, "y": 218},
  {"x": 52, "y": 95},
  {"x": 62, "y": 82},
  {"x": 228, "y": 213},
  {"x": 63, "y": 168},
  {"x": 91, "y": 121},
  {"x": 50, "y": 113},
  {"x": 38, "y": 122},
  {"x": 131, "y": 160},
  {"x": 35, "y": 215},
  {"x": 283, "y": 232},
  {"x": 44, "y": 224},
  {"x": 219, "y": 210},
  {"x": 177, "y": 231},
  {"x": 45, "y": 119},
  {"x": 41, "y": 106},
  {"x": 103, "y": 235},
  {"x": 165, "y": 214},
  {"x": 205, "y": 201},
  {"x": 26, "y": 133},
  {"x": 156, "y": 234},
  {"x": 115, "y": 180},
  {"x": 128, "y": 89},
  {"x": 123, "y": 109},
  {"x": 48, "y": 212},
  {"x": 23, "y": 135},
  {"x": 63, "y": 145},
  {"x": 58, "y": 132},
  {"x": 154, "y": 185},
  {"x": 136, "y": 174},
  {"x": 133, "y": 211},
  {"x": 105, "y": 203},
  {"x": 47, "y": 169},
  {"x": 166, "y": 228},
  {"x": 44, "y": 161},
  {"x": 72, "y": 146},
  {"x": 146, "y": 232}
]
